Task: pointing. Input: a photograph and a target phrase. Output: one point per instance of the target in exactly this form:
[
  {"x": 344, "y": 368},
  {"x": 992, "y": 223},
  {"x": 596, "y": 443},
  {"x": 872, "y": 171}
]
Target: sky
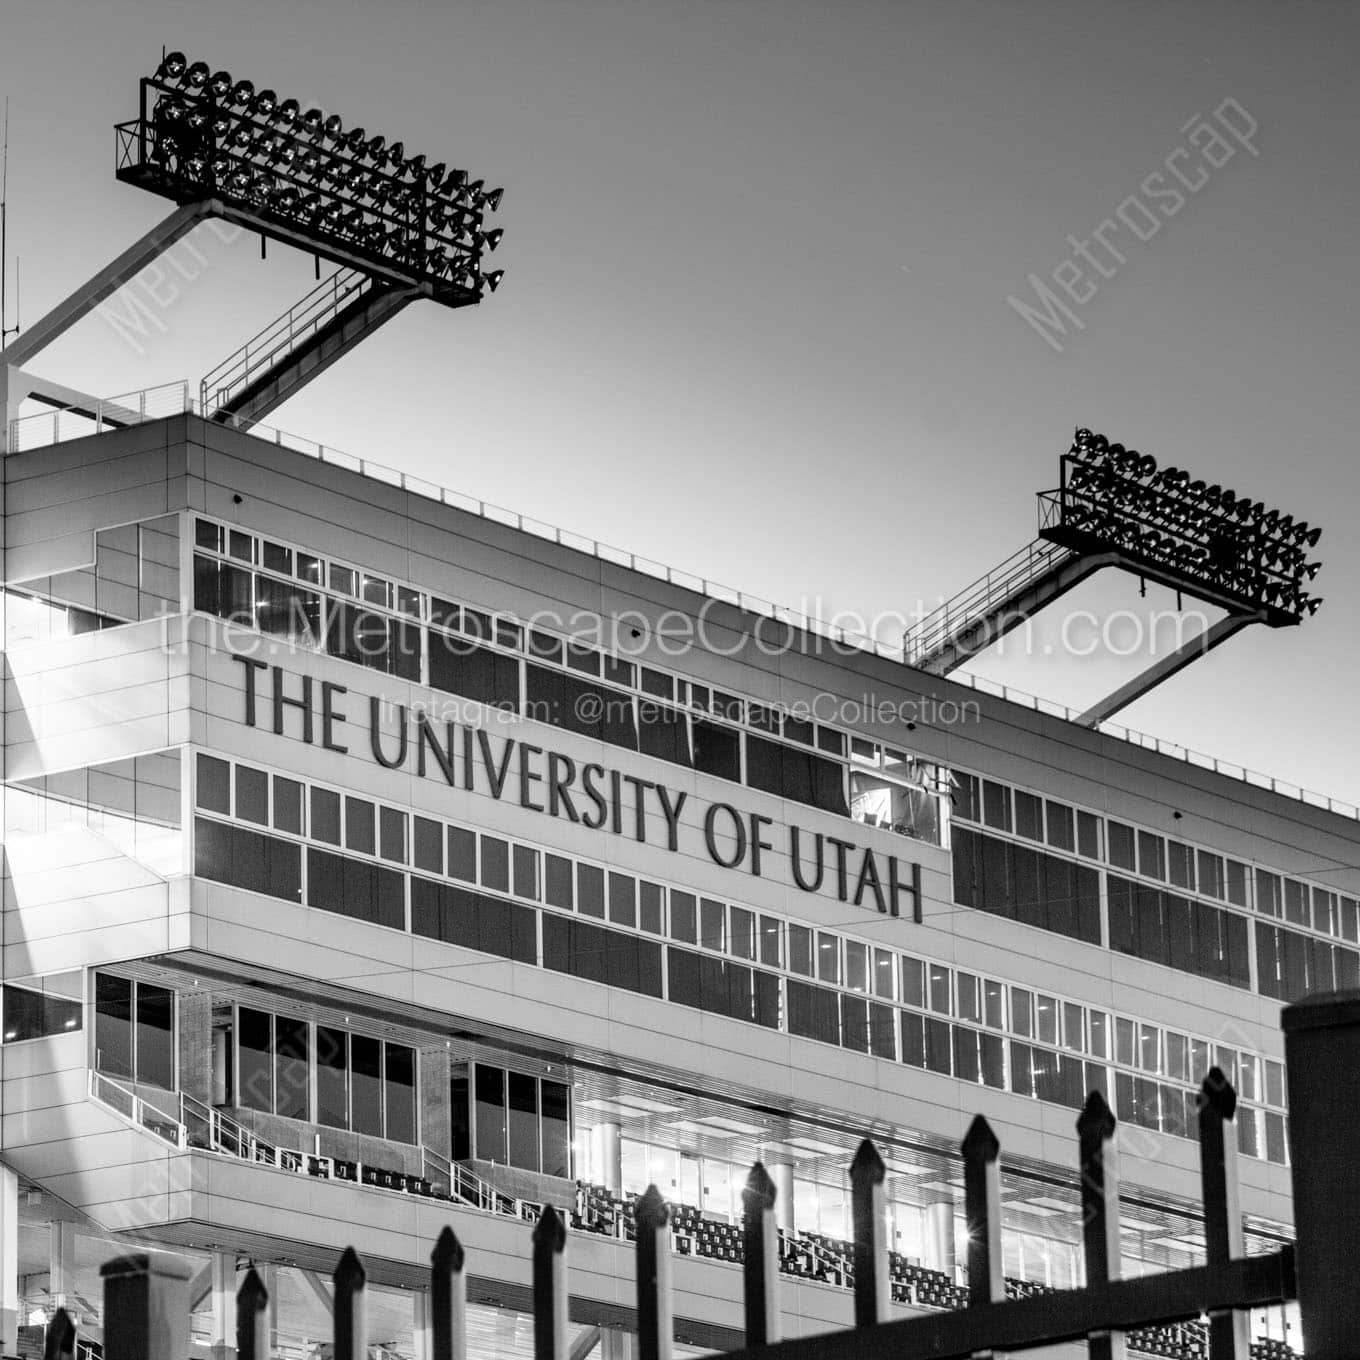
[{"x": 766, "y": 272}]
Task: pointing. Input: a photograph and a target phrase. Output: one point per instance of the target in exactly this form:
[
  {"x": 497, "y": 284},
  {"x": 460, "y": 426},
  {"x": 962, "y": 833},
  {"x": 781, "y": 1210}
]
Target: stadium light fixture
[
  {"x": 303, "y": 178},
  {"x": 1187, "y": 532}
]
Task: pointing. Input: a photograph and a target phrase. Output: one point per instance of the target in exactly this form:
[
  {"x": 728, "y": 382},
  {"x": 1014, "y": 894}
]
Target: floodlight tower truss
[
  {"x": 217, "y": 148},
  {"x": 1116, "y": 508}
]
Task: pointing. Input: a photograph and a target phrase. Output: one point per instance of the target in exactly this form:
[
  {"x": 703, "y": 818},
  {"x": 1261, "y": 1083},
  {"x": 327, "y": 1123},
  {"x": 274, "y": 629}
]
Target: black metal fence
[{"x": 146, "y": 1305}]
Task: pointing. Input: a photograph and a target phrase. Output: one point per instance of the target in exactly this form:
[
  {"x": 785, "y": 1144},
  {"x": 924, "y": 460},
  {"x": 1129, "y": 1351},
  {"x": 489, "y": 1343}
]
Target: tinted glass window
[
  {"x": 214, "y": 785},
  {"x": 292, "y": 1049},
  {"x": 287, "y": 805},
  {"x": 113, "y": 1025},
  {"x": 332, "y": 1077},
  {"x": 155, "y": 1035},
  {"x": 255, "y": 1074},
  {"x": 400, "y": 1084}
]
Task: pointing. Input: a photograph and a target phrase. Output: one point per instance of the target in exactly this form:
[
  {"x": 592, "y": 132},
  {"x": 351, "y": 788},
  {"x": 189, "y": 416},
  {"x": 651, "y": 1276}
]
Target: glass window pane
[
  {"x": 994, "y": 1003},
  {"x": 743, "y": 924},
  {"x": 939, "y": 990},
  {"x": 1029, "y": 816},
  {"x": 800, "y": 950},
  {"x": 462, "y": 854},
  {"x": 555, "y": 1100},
  {"x": 489, "y": 1106},
  {"x": 885, "y": 973},
  {"x": 523, "y": 1121},
  {"x": 400, "y": 1084},
  {"x": 1060, "y": 826},
  {"x": 526, "y": 872},
  {"x": 495, "y": 863},
  {"x": 913, "y": 982},
  {"x": 712, "y": 924},
  {"x": 155, "y": 1035},
  {"x": 590, "y": 890},
  {"x": 214, "y": 785},
  {"x": 207, "y": 535},
  {"x": 970, "y": 1000},
  {"x": 856, "y": 966},
  {"x": 429, "y": 845},
  {"x": 828, "y": 957},
  {"x": 623, "y": 899},
  {"x": 332, "y": 1077},
  {"x": 1022, "y": 1011},
  {"x": 1088, "y": 835},
  {"x": 359, "y": 832},
  {"x": 287, "y": 805},
  {"x": 325, "y": 821},
  {"x": 366, "y": 1084},
  {"x": 254, "y": 1075},
  {"x": 292, "y": 1067},
  {"x": 651, "y": 917},
  {"x": 996, "y": 805},
  {"x": 559, "y": 874},
  {"x": 771, "y": 941},
  {"x": 1046, "y": 1013},
  {"x": 392, "y": 834},
  {"x": 684, "y": 917}
]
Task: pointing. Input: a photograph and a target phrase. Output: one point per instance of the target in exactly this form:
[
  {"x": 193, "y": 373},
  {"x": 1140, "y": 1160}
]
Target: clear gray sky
[{"x": 755, "y": 319}]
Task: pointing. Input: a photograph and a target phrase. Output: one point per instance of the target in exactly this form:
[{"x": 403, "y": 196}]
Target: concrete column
[
  {"x": 61, "y": 1264},
  {"x": 615, "y": 1344},
  {"x": 781, "y": 1173},
  {"x": 939, "y": 1236},
  {"x": 221, "y": 1047},
  {"x": 270, "y": 1275},
  {"x": 9, "y": 1255},
  {"x": 607, "y": 1155},
  {"x": 223, "y": 1340},
  {"x": 420, "y": 1323}
]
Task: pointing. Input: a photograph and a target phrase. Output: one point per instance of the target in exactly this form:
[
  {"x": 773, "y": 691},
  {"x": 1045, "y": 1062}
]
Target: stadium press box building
[{"x": 373, "y": 864}]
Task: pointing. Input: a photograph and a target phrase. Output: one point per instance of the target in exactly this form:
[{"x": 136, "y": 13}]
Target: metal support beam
[
  {"x": 584, "y": 1344},
  {"x": 1009, "y": 613},
  {"x": 1199, "y": 645},
  {"x": 106, "y": 282},
  {"x": 318, "y": 1287}
]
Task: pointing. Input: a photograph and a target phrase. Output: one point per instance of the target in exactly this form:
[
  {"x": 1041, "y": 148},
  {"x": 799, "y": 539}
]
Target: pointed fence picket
[{"x": 146, "y": 1299}]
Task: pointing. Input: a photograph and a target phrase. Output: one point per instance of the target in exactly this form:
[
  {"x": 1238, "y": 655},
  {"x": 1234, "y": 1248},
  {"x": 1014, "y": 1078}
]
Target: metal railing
[
  {"x": 281, "y": 337},
  {"x": 701, "y": 585},
  {"x": 954, "y": 616}
]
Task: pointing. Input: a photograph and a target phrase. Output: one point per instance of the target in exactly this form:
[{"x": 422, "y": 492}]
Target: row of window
[
  {"x": 1030, "y": 886},
  {"x": 1144, "y": 1048},
  {"x": 1000, "y": 807},
  {"x": 456, "y": 913},
  {"x": 512, "y": 1118},
  {"x": 325, "y": 1075},
  {"x": 708, "y": 982},
  {"x": 1063, "y": 1079},
  {"x": 377, "y": 623}
]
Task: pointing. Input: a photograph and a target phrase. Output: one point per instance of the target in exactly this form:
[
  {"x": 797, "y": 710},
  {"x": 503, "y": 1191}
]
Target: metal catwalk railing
[
  {"x": 262, "y": 352},
  {"x": 39, "y": 430},
  {"x": 938, "y": 628}
]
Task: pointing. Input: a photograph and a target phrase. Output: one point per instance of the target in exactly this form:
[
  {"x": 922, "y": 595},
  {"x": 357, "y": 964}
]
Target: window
[
  {"x": 1029, "y": 816},
  {"x": 134, "y": 1031},
  {"x": 522, "y": 1120},
  {"x": 34, "y": 1012},
  {"x": 1060, "y": 826},
  {"x": 214, "y": 785},
  {"x": 1121, "y": 845},
  {"x": 996, "y": 805}
]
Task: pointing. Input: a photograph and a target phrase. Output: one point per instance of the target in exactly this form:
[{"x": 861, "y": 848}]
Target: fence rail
[
  {"x": 146, "y": 1305},
  {"x": 51, "y": 427}
]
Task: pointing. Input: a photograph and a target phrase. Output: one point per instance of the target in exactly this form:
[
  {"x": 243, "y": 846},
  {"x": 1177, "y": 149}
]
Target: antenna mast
[{"x": 6, "y": 330}]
